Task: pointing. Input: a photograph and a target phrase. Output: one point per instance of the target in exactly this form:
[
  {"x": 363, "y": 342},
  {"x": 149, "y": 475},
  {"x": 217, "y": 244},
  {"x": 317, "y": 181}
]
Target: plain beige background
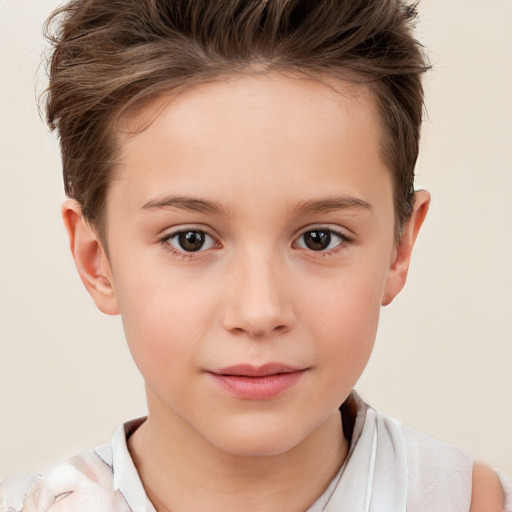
[{"x": 443, "y": 360}]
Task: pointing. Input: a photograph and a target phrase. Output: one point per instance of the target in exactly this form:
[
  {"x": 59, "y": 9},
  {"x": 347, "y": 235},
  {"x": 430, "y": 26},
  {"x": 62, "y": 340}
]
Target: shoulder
[
  {"x": 83, "y": 479},
  {"x": 14, "y": 489},
  {"x": 487, "y": 493},
  {"x": 441, "y": 473}
]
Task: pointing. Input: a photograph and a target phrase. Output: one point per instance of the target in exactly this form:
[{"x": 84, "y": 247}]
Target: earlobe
[
  {"x": 397, "y": 275},
  {"x": 90, "y": 258}
]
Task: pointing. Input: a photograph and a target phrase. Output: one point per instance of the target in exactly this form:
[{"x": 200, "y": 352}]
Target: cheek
[
  {"x": 164, "y": 321},
  {"x": 347, "y": 301},
  {"x": 344, "y": 313}
]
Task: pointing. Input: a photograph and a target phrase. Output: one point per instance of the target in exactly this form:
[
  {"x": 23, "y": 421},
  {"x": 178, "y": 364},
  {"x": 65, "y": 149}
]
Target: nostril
[
  {"x": 258, "y": 333},
  {"x": 258, "y": 312}
]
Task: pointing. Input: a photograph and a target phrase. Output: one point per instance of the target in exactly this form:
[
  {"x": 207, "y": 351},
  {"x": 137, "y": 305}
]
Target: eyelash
[
  {"x": 185, "y": 255},
  {"x": 344, "y": 241},
  {"x": 165, "y": 241}
]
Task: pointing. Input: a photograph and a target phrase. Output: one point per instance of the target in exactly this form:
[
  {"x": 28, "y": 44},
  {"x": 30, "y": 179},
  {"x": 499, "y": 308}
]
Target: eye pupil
[
  {"x": 191, "y": 241},
  {"x": 317, "y": 240}
]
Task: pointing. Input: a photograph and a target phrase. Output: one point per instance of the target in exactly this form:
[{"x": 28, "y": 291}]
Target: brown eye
[
  {"x": 317, "y": 240},
  {"x": 191, "y": 241},
  {"x": 320, "y": 240}
]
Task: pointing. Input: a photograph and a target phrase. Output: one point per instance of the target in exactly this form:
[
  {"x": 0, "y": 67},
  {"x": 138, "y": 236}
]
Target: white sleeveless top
[{"x": 389, "y": 468}]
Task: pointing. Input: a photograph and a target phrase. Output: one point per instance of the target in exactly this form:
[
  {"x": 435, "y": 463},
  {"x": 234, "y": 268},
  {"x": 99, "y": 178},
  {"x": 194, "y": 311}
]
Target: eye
[
  {"x": 321, "y": 239},
  {"x": 191, "y": 240}
]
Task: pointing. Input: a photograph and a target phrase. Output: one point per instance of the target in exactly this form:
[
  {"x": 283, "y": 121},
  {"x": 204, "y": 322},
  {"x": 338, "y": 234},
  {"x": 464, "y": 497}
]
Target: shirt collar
[
  {"x": 128, "y": 482},
  {"x": 126, "y": 477}
]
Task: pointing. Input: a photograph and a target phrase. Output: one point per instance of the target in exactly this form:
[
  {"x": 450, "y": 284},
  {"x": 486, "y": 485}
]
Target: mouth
[
  {"x": 248, "y": 370},
  {"x": 251, "y": 382}
]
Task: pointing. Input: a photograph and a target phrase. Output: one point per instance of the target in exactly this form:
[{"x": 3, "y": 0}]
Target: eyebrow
[
  {"x": 194, "y": 204},
  {"x": 188, "y": 203},
  {"x": 332, "y": 204}
]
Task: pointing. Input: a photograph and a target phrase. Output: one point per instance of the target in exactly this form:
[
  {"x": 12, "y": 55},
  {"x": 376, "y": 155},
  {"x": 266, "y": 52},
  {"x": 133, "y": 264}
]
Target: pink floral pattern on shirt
[{"x": 83, "y": 483}]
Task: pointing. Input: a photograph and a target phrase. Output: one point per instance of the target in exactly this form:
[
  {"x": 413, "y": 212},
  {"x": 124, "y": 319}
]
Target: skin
[
  {"x": 487, "y": 491},
  {"x": 255, "y": 162}
]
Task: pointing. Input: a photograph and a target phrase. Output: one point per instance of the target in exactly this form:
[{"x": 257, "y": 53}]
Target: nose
[{"x": 258, "y": 304}]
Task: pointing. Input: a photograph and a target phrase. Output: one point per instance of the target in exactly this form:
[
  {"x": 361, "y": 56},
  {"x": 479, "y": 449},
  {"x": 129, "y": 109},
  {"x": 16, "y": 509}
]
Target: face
[{"x": 251, "y": 244}]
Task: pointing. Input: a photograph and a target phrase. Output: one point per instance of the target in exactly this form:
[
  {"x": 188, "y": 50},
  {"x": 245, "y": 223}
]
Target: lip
[{"x": 251, "y": 382}]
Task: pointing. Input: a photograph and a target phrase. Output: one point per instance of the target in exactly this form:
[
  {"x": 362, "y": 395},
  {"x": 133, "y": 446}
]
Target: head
[
  {"x": 241, "y": 176},
  {"x": 111, "y": 57}
]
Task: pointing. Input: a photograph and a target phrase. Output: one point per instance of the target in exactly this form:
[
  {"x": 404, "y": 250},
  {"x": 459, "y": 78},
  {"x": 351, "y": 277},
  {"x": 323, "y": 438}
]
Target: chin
[
  {"x": 257, "y": 447},
  {"x": 258, "y": 440}
]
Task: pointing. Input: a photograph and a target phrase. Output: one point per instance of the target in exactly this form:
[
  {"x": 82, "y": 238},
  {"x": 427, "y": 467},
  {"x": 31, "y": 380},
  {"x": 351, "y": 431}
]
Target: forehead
[
  {"x": 255, "y": 133},
  {"x": 299, "y": 99}
]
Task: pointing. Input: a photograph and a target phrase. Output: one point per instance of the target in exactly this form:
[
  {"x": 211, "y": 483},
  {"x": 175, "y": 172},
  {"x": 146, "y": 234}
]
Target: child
[{"x": 240, "y": 178}]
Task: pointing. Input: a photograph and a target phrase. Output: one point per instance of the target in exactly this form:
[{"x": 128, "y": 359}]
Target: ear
[
  {"x": 402, "y": 256},
  {"x": 90, "y": 258}
]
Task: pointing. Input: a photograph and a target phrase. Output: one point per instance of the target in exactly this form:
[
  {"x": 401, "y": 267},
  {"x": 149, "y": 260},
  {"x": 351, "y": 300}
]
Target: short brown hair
[{"x": 108, "y": 55}]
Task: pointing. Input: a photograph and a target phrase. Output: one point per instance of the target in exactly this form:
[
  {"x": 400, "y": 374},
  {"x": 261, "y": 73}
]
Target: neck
[{"x": 181, "y": 471}]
